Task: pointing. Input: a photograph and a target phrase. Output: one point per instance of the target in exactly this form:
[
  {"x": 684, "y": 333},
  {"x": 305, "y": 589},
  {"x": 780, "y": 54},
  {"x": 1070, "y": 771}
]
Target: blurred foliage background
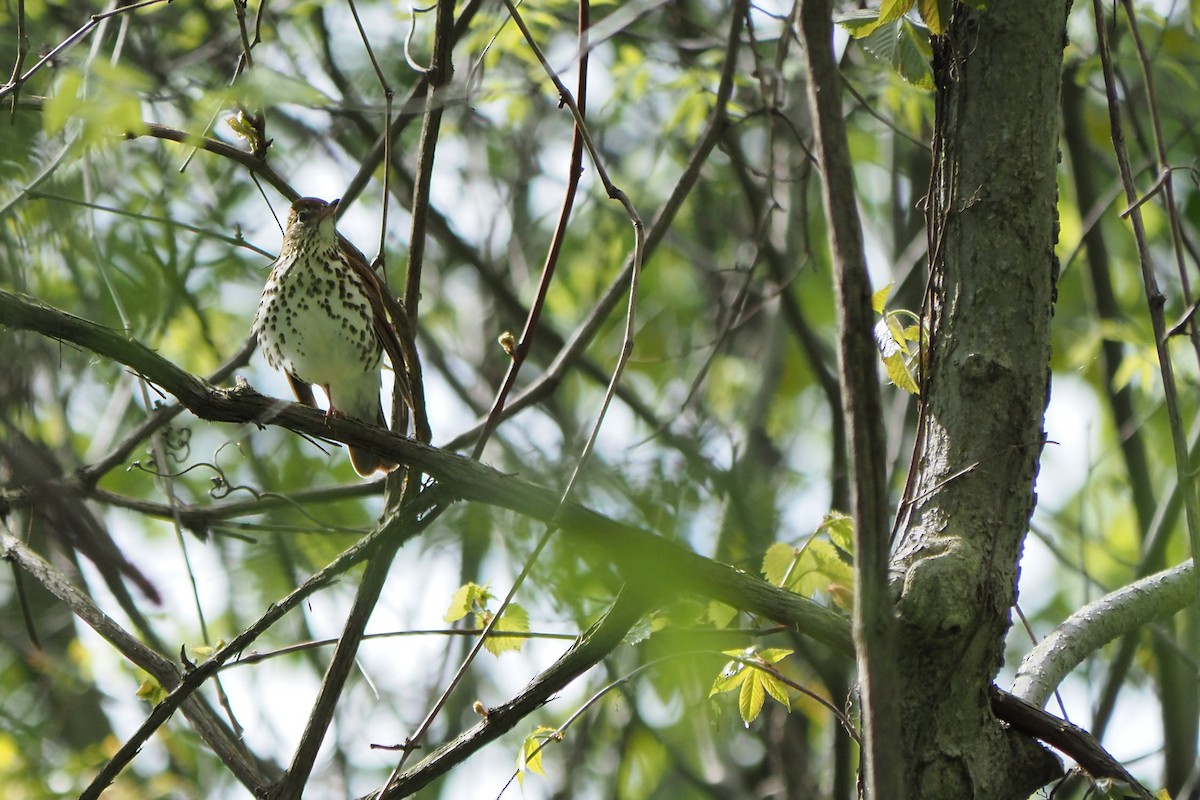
[{"x": 726, "y": 434}]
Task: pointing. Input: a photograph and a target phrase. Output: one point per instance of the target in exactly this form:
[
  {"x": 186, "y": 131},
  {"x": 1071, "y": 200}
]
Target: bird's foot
[{"x": 333, "y": 412}]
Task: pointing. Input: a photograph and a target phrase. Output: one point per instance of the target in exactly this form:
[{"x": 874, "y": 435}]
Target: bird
[{"x": 323, "y": 320}]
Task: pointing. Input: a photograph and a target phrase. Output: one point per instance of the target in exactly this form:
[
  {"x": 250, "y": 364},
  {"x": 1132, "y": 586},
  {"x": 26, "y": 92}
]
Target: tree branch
[
  {"x": 591, "y": 647},
  {"x": 874, "y": 626},
  {"x": 1098, "y": 623},
  {"x": 639, "y": 554},
  {"x": 208, "y": 725}
]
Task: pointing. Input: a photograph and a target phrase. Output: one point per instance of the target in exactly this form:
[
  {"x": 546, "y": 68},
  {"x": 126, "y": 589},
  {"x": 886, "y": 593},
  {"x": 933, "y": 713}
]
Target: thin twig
[
  {"x": 557, "y": 734},
  {"x": 1154, "y": 296},
  {"x": 388, "y": 96},
  {"x": 420, "y": 87},
  {"x": 439, "y": 76},
  {"x": 874, "y": 626},
  {"x": 245, "y": 60},
  {"x": 399, "y": 526},
  {"x": 579, "y": 340},
  {"x": 590, "y": 648},
  {"x": 518, "y": 358},
  {"x": 532, "y": 319},
  {"x": 1157, "y": 187},
  {"x": 228, "y": 748},
  {"x": 22, "y": 51},
  {"x": 637, "y": 258},
  {"x": 14, "y": 85}
]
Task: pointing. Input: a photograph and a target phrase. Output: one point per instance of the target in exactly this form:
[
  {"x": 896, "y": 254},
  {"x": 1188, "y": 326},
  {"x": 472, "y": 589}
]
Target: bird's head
[{"x": 311, "y": 220}]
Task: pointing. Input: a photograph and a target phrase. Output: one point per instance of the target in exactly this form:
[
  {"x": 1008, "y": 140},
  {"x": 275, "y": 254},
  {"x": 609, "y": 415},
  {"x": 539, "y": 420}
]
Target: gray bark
[{"x": 992, "y": 228}]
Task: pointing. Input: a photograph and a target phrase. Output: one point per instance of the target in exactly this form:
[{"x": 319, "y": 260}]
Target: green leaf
[
  {"x": 832, "y": 564},
  {"x": 879, "y": 298},
  {"x": 773, "y": 655},
  {"x": 894, "y": 9},
  {"x": 529, "y": 758},
  {"x": 468, "y": 598},
  {"x": 905, "y": 45},
  {"x": 514, "y": 620},
  {"x": 819, "y": 565},
  {"x": 754, "y": 683},
  {"x": 776, "y": 688},
  {"x": 151, "y": 691},
  {"x": 892, "y": 339},
  {"x": 935, "y": 14},
  {"x": 1140, "y": 365},
  {"x": 720, "y": 614},
  {"x": 914, "y": 54},
  {"x": 840, "y": 529},
  {"x": 858, "y": 23},
  {"x": 107, "y": 100},
  {"x": 61, "y": 105},
  {"x": 865, "y": 22},
  {"x": 733, "y": 674},
  {"x": 750, "y": 699},
  {"x": 778, "y": 562},
  {"x": 896, "y": 366},
  {"x": 823, "y": 569},
  {"x": 896, "y": 329}
]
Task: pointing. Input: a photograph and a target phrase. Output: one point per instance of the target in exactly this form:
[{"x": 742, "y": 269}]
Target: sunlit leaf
[
  {"x": 935, "y": 14},
  {"x": 778, "y": 562},
  {"x": 880, "y": 296},
  {"x": 896, "y": 366},
  {"x": 751, "y": 697},
  {"x": 902, "y": 43},
  {"x": 896, "y": 329},
  {"x": 151, "y": 691},
  {"x": 720, "y": 614},
  {"x": 894, "y": 9},
  {"x": 529, "y": 758},
  {"x": 466, "y": 599},
  {"x": 515, "y": 619},
  {"x": 840, "y": 529},
  {"x": 773, "y": 655},
  {"x": 820, "y": 566},
  {"x": 733, "y": 673},
  {"x": 865, "y": 22},
  {"x": 776, "y": 688},
  {"x": 860, "y": 22}
]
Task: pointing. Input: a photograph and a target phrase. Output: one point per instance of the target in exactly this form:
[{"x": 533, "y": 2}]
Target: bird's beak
[{"x": 332, "y": 208}]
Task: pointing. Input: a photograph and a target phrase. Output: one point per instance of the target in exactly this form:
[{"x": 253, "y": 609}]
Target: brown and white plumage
[{"x": 323, "y": 320}]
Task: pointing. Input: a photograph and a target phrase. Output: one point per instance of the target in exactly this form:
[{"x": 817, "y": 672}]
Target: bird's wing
[
  {"x": 302, "y": 390},
  {"x": 396, "y": 338}
]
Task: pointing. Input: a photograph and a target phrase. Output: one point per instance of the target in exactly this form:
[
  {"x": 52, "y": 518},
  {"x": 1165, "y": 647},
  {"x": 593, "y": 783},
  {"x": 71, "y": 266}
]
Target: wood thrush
[{"x": 323, "y": 319}]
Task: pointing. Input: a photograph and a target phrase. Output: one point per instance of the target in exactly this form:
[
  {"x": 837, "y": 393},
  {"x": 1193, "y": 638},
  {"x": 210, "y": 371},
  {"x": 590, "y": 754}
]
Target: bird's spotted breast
[{"x": 315, "y": 321}]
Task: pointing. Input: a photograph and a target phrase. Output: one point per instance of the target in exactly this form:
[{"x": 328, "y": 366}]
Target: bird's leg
[{"x": 333, "y": 411}]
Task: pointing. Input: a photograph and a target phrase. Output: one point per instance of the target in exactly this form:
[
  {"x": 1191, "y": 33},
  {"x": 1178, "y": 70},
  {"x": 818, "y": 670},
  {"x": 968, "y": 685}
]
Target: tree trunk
[{"x": 992, "y": 225}]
